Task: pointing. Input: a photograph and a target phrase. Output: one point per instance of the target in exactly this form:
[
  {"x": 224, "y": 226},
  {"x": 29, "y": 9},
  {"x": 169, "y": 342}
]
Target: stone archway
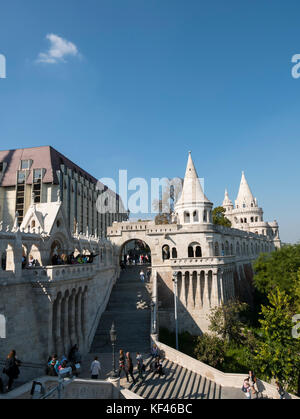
[{"x": 134, "y": 252}]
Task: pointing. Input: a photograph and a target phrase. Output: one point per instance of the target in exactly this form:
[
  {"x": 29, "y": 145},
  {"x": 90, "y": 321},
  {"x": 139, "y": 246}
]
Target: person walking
[
  {"x": 246, "y": 388},
  {"x": 154, "y": 351},
  {"x": 95, "y": 368},
  {"x": 129, "y": 365},
  {"x": 142, "y": 276},
  {"x": 158, "y": 366},
  {"x": 75, "y": 360},
  {"x": 11, "y": 368},
  {"x": 148, "y": 275},
  {"x": 122, "y": 366},
  {"x": 140, "y": 365},
  {"x": 253, "y": 383}
]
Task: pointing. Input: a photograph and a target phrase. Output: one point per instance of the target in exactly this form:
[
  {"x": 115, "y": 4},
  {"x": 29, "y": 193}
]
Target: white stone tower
[
  {"x": 247, "y": 215},
  {"x": 192, "y": 207}
]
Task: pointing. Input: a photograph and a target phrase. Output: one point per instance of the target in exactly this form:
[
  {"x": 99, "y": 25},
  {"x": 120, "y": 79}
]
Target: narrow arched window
[
  {"x": 195, "y": 216},
  {"x": 198, "y": 252},
  {"x": 174, "y": 253},
  {"x": 186, "y": 217},
  {"x": 190, "y": 252},
  {"x": 217, "y": 253},
  {"x": 165, "y": 252}
]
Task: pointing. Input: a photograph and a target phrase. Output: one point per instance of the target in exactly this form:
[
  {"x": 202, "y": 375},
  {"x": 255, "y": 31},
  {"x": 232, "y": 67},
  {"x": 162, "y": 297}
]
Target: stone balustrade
[
  {"x": 221, "y": 378},
  {"x": 213, "y": 260}
]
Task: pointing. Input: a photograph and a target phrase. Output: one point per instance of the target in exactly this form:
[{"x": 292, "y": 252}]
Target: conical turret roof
[
  {"x": 192, "y": 192},
  {"x": 227, "y": 201},
  {"x": 245, "y": 196}
]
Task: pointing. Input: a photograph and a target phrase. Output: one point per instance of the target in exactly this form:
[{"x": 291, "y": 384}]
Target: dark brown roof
[{"x": 45, "y": 157}]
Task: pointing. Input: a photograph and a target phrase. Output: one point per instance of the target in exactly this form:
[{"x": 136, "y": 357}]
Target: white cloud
[{"x": 58, "y": 50}]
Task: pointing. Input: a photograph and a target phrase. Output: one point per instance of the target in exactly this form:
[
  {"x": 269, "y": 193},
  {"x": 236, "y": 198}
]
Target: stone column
[
  {"x": 58, "y": 344},
  {"x": 183, "y": 290},
  {"x": 205, "y": 291},
  {"x": 83, "y": 318},
  {"x": 220, "y": 280},
  {"x": 78, "y": 319},
  {"x": 198, "y": 301},
  {"x": 190, "y": 292},
  {"x": 214, "y": 290},
  {"x": 65, "y": 314},
  {"x": 72, "y": 318},
  {"x": 210, "y": 248}
]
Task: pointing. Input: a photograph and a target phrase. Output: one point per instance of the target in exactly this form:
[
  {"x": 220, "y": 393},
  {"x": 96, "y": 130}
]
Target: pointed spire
[
  {"x": 191, "y": 171},
  {"x": 227, "y": 201},
  {"x": 192, "y": 192},
  {"x": 245, "y": 197}
]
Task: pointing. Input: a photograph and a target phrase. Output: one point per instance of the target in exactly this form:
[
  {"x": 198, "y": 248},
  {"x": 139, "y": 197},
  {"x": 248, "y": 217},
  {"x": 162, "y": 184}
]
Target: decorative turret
[
  {"x": 192, "y": 205},
  {"x": 227, "y": 203},
  {"x": 245, "y": 198}
]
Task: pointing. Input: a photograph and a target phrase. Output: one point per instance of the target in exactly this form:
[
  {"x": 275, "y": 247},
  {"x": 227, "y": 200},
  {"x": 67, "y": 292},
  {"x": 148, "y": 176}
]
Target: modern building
[{"x": 40, "y": 174}]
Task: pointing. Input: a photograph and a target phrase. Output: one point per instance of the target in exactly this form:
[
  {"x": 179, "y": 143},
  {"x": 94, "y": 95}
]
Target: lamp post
[
  {"x": 175, "y": 273},
  {"x": 113, "y": 339},
  {"x": 153, "y": 317}
]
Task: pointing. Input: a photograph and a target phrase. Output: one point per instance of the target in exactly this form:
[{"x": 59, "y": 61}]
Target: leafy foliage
[
  {"x": 209, "y": 349},
  {"x": 225, "y": 321},
  {"x": 219, "y": 218},
  {"x": 277, "y": 354},
  {"x": 280, "y": 269}
]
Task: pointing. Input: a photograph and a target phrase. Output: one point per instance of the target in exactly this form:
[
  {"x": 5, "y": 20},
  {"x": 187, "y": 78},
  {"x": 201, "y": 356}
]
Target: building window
[
  {"x": 198, "y": 252},
  {"x": 195, "y": 216},
  {"x": 165, "y": 252},
  {"x": 21, "y": 177},
  {"x": 190, "y": 252},
  {"x": 186, "y": 217},
  {"x": 174, "y": 253},
  {"x": 217, "y": 253},
  {"x": 37, "y": 183},
  {"x": 25, "y": 164}
]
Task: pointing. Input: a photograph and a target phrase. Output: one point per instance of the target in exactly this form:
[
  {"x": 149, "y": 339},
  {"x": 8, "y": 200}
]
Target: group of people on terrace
[
  {"x": 56, "y": 364},
  {"x": 59, "y": 259},
  {"x": 71, "y": 259}
]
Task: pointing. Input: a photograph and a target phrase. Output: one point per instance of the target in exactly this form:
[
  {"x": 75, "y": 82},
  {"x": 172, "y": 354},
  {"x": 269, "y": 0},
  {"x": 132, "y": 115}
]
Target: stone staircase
[
  {"x": 177, "y": 383},
  {"x": 129, "y": 308}
]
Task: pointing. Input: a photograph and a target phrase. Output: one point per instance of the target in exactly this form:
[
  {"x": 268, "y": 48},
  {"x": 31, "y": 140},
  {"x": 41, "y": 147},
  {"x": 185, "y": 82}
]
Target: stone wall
[{"x": 75, "y": 389}]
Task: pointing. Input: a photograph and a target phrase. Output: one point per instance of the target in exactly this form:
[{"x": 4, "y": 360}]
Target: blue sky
[{"x": 142, "y": 82}]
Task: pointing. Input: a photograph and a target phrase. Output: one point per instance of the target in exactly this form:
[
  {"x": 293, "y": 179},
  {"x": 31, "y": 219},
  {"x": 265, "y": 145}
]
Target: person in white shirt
[{"x": 95, "y": 368}]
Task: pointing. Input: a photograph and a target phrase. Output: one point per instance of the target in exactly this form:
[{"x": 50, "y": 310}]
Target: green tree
[
  {"x": 219, "y": 218},
  {"x": 279, "y": 269},
  {"x": 277, "y": 352},
  {"x": 225, "y": 321},
  {"x": 210, "y": 350}
]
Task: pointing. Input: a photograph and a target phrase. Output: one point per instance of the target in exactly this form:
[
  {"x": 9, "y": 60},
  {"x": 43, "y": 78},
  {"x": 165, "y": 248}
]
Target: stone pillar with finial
[{"x": 16, "y": 225}]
